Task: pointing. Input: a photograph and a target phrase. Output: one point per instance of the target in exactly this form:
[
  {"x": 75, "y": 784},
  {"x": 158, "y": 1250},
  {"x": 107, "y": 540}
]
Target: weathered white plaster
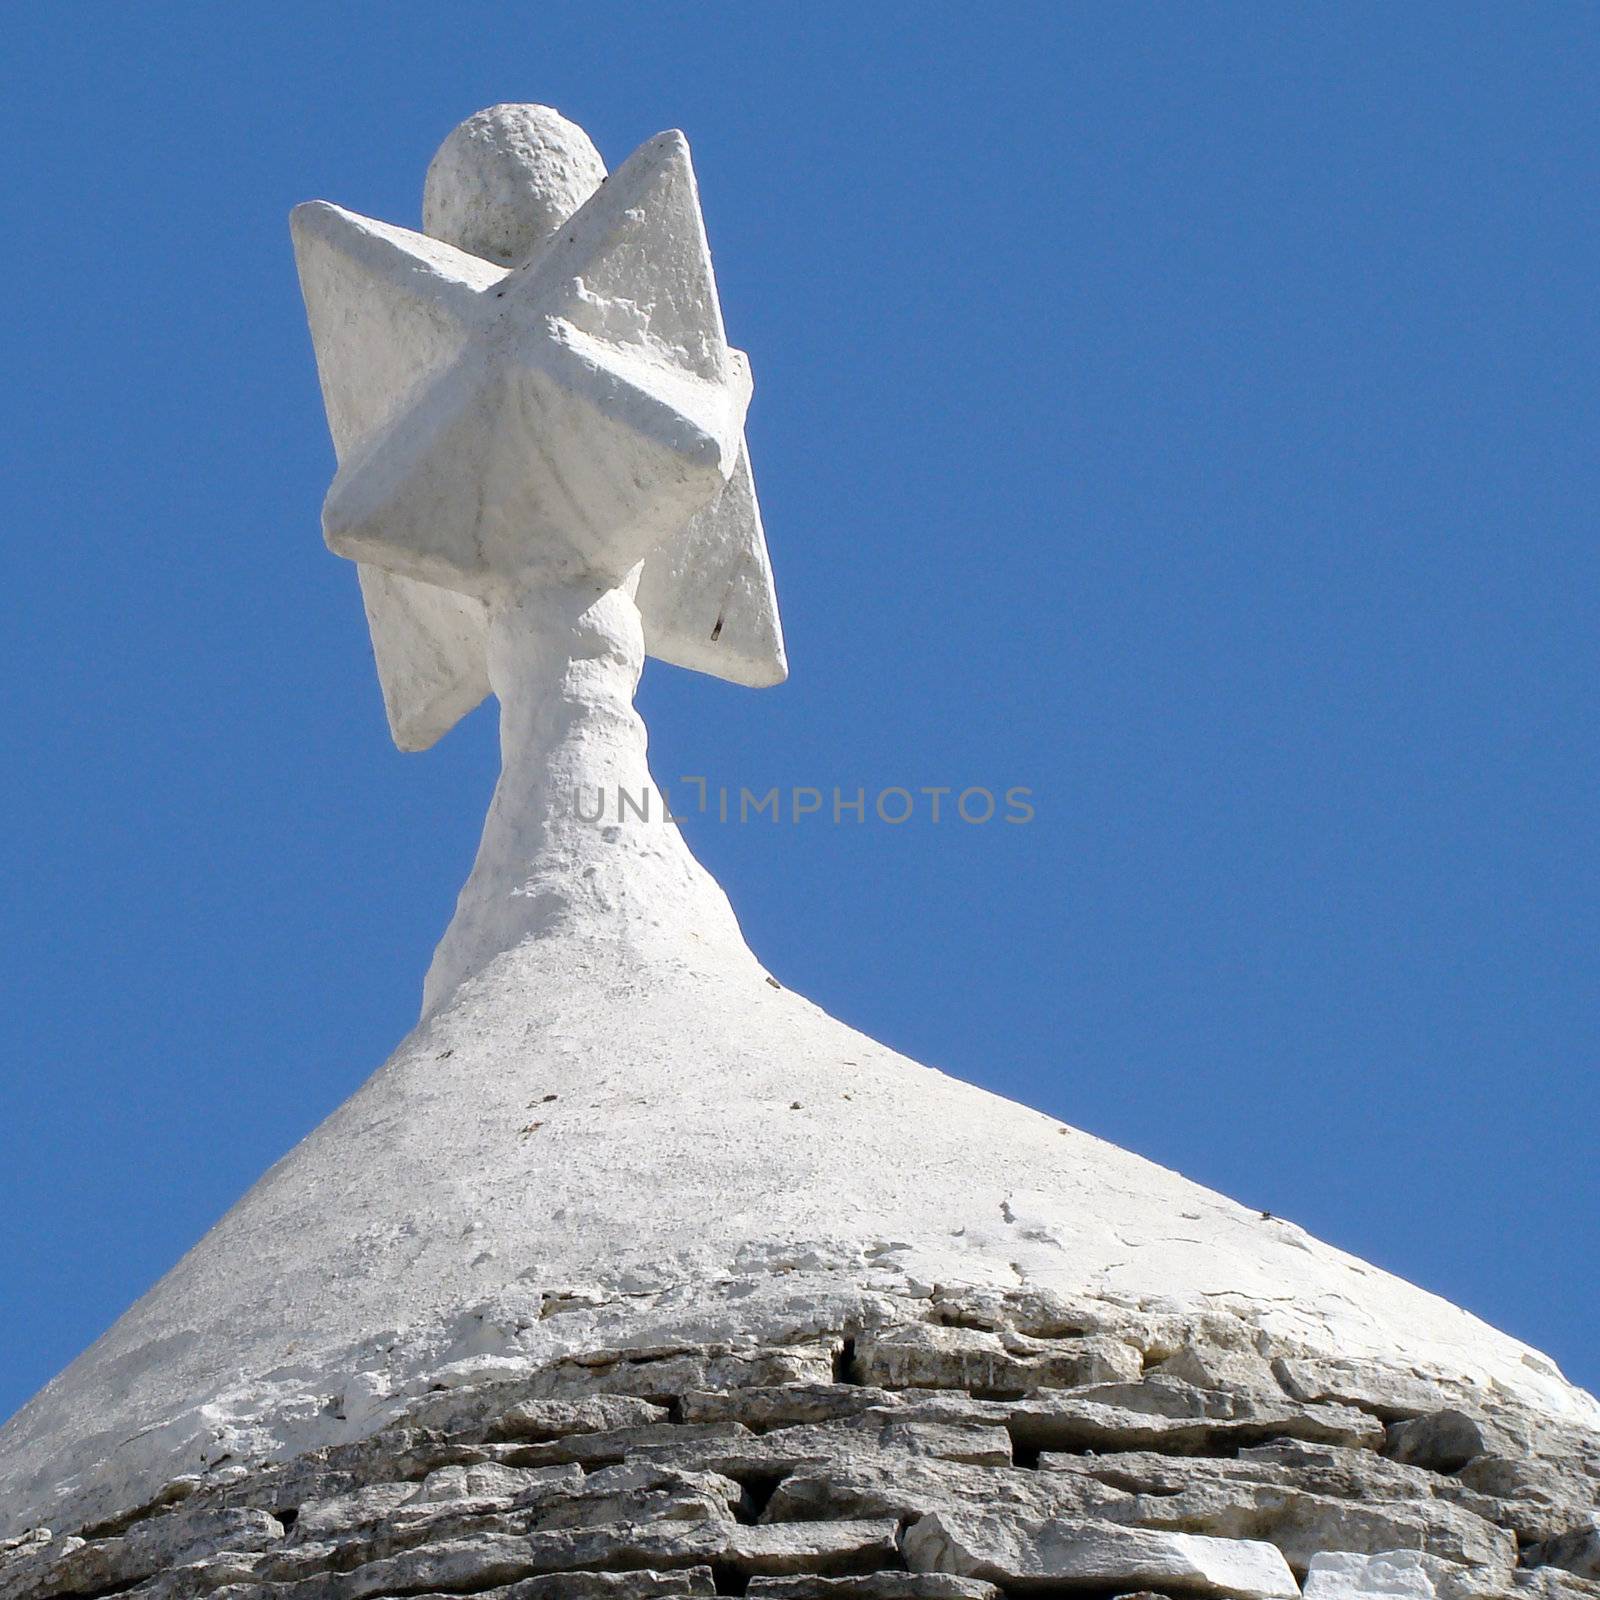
[
  {"x": 506, "y": 179},
  {"x": 707, "y": 595},
  {"x": 577, "y": 838},
  {"x": 559, "y": 419}
]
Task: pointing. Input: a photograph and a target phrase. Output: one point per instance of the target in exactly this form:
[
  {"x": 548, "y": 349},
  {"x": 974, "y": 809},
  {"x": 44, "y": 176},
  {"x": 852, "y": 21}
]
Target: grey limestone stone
[{"x": 1014, "y": 1552}]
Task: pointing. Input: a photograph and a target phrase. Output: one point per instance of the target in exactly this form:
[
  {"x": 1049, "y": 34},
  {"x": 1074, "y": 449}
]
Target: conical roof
[{"x": 600, "y": 1147}]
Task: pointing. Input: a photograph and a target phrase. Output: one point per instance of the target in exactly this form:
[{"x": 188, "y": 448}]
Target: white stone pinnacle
[{"x": 521, "y": 449}]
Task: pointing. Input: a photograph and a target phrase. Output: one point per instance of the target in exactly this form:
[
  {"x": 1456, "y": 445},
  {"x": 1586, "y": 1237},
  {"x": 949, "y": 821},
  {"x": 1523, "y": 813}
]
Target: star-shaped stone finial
[
  {"x": 542, "y": 476},
  {"x": 572, "y": 415}
]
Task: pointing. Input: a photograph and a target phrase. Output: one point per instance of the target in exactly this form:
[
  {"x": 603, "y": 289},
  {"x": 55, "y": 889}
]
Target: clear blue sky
[{"x": 1186, "y": 411}]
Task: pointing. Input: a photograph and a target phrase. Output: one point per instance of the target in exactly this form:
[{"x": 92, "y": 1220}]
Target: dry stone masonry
[{"x": 994, "y": 1446}]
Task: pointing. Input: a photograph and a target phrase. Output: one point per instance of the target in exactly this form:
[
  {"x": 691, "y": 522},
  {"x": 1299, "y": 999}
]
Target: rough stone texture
[
  {"x": 505, "y": 180},
  {"x": 1403, "y": 1574},
  {"x": 1443, "y": 1441},
  {"x": 931, "y": 1356},
  {"x": 876, "y": 1586},
  {"x": 1090, "y": 1555},
  {"x": 1577, "y": 1551},
  {"x": 780, "y": 1471}
]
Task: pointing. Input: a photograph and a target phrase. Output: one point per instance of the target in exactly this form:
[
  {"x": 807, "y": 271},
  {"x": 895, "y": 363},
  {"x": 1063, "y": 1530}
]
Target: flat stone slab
[{"x": 1014, "y": 1551}]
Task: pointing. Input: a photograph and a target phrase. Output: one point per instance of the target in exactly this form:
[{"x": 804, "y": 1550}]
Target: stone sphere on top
[{"x": 505, "y": 179}]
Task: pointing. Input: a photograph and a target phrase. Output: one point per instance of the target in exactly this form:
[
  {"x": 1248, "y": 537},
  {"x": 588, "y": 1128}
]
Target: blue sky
[{"x": 1187, "y": 412}]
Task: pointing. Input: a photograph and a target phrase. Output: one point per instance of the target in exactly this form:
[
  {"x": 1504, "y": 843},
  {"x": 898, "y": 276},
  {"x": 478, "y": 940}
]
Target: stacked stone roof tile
[{"x": 949, "y": 1455}]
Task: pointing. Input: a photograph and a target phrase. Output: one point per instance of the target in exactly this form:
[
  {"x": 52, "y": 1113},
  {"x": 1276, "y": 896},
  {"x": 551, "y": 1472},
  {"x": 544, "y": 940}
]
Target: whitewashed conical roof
[{"x": 599, "y": 1147}]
